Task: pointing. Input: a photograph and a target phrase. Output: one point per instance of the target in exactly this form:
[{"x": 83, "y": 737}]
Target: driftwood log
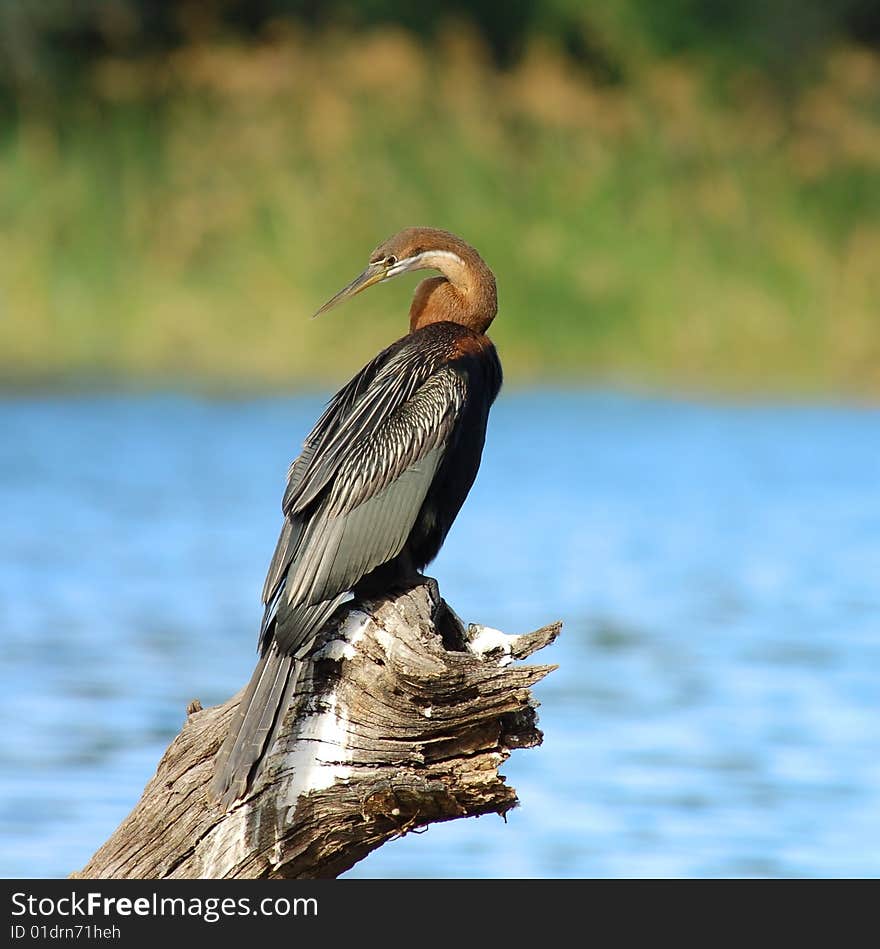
[{"x": 402, "y": 718}]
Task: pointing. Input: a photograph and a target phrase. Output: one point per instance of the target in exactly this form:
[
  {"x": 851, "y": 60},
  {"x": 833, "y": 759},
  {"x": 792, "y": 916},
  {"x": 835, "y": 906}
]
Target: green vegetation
[{"x": 684, "y": 227}]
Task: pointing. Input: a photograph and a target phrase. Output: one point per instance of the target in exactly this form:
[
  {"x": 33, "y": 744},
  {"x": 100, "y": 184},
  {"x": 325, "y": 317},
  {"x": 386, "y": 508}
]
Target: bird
[{"x": 379, "y": 480}]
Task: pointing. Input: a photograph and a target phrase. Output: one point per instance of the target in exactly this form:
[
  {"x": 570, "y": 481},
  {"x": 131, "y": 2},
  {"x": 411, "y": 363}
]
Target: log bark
[{"x": 402, "y": 718}]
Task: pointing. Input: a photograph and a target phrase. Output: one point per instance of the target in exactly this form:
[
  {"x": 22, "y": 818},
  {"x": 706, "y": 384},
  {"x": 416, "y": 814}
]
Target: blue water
[{"x": 715, "y": 710}]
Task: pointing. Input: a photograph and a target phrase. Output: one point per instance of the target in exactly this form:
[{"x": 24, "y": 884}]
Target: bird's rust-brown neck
[{"x": 464, "y": 294}]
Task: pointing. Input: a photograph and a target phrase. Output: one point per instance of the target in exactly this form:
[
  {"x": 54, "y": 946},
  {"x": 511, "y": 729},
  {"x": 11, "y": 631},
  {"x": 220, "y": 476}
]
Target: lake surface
[{"x": 716, "y": 711}]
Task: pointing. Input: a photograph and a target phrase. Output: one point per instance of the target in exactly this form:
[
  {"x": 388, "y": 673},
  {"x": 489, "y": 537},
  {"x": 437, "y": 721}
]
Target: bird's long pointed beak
[{"x": 375, "y": 273}]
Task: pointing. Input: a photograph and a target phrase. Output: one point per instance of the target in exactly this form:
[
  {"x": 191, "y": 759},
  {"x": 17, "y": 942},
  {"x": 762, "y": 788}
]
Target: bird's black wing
[
  {"x": 333, "y": 416},
  {"x": 356, "y": 490}
]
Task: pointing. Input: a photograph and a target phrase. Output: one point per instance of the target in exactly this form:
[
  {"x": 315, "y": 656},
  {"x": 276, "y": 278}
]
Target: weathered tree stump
[{"x": 402, "y": 717}]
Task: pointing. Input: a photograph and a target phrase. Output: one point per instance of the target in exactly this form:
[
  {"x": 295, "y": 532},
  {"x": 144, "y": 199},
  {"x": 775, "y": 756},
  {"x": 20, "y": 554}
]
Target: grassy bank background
[{"x": 175, "y": 217}]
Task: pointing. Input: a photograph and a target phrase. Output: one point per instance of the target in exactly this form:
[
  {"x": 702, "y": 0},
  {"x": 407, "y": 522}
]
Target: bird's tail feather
[{"x": 255, "y": 724}]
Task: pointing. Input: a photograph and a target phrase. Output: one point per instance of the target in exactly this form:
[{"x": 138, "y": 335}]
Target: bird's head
[{"x": 414, "y": 248}]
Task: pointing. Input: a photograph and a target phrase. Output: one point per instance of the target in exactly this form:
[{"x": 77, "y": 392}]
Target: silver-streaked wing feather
[
  {"x": 380, "y": 387},
  {"x": 374, "y": 500},
  {"x": 354, "y": 414}
]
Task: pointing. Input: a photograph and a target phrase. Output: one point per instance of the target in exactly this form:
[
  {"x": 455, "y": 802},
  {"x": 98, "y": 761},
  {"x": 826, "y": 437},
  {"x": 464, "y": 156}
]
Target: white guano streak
[
  {"x": 319, "y": 753},
  {"x": 319, "y": 756},
  {"x": 483, "y": 640}
]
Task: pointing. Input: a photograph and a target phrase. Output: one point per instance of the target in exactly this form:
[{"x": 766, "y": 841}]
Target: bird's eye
[{"x": 391, "y": 260}]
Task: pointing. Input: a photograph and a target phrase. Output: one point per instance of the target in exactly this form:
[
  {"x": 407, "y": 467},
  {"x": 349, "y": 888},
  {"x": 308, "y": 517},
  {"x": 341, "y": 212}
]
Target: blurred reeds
[{"x": 182, "y": 221}]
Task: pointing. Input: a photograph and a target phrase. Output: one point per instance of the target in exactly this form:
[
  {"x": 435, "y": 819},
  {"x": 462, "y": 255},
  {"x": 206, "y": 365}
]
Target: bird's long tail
[{"x": 260, "y": 713}]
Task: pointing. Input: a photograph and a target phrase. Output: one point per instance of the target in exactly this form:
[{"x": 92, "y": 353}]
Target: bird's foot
[{"x": 447, "y": 622}]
